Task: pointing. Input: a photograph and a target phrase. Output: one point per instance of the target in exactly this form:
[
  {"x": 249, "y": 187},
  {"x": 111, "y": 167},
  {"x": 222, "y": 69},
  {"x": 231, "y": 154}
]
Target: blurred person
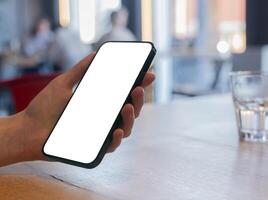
[
  {"x": 8, "y": 67},
  {"x": 68, "y": 48},
  {"x": 35, "y": 47},
  {"x": 119, "y": 31}
]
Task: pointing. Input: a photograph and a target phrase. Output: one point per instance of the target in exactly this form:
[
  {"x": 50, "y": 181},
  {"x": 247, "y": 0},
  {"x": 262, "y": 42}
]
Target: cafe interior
[
  {"x": 185, "y": 141},
  {"x": 198, "y": 42}
]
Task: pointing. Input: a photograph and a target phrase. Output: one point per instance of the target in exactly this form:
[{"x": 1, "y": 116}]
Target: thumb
[{"x": 74, "y": 75}]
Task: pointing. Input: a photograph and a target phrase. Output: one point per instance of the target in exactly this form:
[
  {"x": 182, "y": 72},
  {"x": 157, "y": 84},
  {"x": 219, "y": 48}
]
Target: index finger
[{"x": 148, "y": 79}]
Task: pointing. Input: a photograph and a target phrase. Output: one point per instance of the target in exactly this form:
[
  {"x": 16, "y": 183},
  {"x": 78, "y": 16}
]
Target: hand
[{"x": 42, "y": 113}]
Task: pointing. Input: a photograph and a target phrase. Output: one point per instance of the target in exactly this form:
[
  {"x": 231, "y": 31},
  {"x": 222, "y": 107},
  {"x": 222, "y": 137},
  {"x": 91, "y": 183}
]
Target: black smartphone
[{"x": 84, "y": 130}]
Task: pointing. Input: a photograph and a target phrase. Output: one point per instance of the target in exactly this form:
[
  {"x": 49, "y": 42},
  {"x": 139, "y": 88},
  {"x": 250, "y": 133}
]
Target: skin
[{"x": 22, "y": 135}]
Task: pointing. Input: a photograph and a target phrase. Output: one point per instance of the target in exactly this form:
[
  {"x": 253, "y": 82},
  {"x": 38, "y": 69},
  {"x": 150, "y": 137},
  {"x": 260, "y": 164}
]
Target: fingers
[
  {"x": 128, "y": 117},
  {"x": 129, "y": 112},
  {"x": 128, "y": 121},
  {"x": 117, "y": 138},
  {"x": 148, "y": 79},
  {"x": 137, "y": 94},
  {"x": 75, "y": 74},
  {"x": 137, "y": 100}
]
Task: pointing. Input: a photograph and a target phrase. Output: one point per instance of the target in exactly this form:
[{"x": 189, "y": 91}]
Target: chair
[{"x": 17, "y": 93}]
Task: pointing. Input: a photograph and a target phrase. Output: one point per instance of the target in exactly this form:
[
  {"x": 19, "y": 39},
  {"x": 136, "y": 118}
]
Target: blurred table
[{"x": 188, "y": 149}]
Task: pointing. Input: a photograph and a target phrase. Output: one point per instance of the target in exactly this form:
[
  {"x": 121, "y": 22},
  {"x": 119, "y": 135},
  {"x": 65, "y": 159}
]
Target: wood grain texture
[
  {"x": 188, "y": 149},
  {"x": 22, "y": 187}
]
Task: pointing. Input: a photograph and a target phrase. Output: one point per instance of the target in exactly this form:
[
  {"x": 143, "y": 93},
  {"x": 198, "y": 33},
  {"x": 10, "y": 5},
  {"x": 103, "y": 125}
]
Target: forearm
[{"x": 12, "y": 145}]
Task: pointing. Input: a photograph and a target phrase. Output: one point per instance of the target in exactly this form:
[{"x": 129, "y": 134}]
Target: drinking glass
[{"x": 250, "y": 97}]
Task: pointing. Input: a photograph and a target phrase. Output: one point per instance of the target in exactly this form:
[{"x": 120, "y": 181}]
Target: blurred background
[{"x": 199, "y": 42}]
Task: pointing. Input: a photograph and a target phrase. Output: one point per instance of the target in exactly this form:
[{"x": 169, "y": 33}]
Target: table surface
[{"x": 187, "y": 149}]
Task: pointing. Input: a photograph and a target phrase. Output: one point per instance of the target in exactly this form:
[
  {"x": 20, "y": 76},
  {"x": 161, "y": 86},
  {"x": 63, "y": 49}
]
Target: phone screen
[{"x": 91, "y": 112}]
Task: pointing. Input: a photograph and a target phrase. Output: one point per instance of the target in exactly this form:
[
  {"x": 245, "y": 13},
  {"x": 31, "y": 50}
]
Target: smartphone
[{"x": 84, "y": 130}]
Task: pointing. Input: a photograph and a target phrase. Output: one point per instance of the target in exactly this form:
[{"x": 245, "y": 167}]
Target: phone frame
[{"x": 118, "y": 119}]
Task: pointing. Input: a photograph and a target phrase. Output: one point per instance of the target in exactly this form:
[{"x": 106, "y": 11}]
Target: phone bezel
[{"x": 117, "y": 121}]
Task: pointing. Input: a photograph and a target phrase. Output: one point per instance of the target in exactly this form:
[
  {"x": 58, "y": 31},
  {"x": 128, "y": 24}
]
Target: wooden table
[{"x": 188, "y": 149}]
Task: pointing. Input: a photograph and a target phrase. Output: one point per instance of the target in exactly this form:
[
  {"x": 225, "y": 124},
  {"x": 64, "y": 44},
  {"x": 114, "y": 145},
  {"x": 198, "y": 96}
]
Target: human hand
[{"x": 44, "y": 110}]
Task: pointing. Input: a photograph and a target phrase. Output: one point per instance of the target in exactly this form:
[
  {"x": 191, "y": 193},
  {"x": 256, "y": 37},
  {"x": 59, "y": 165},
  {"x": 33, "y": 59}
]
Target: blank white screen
[{"x": 91, "y": 112}]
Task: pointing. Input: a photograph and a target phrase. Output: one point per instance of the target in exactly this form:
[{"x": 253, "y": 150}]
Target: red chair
[{"x": 23, "y": 89}]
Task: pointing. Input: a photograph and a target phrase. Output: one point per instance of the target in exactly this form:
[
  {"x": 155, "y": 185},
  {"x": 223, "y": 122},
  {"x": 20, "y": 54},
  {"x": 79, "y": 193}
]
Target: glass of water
[{"x": 250, "y": 96}]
